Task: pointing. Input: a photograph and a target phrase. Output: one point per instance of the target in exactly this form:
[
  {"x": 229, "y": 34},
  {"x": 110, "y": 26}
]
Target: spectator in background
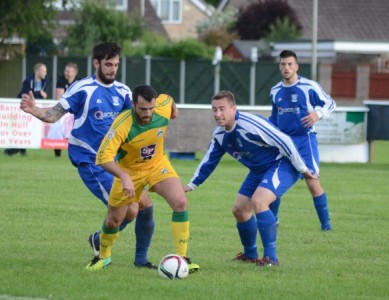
[
  {"x": 38, "y": 84},
  {"x": 57, "y": 130}
]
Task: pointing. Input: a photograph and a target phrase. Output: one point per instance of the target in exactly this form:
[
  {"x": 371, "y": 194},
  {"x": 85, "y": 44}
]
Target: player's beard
[{"x": 103, "y": 78}]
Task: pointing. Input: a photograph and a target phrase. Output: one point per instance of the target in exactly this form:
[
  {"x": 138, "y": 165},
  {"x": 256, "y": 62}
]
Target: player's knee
[
  {"x": 112, "y": 222},
  {"x": 145, "y": 201},
  {"x": 179, "y": 204},
  {"x": 238, "y": 212}
]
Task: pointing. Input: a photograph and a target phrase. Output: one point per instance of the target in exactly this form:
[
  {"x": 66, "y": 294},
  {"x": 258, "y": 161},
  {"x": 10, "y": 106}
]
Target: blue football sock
[
  {"x": 321, "y": 207},
  {"x": 144, "y": 229},
  {"x": 248, "y": 236},
  {"x": 124, "y": 224},
  {"x": 267, "y": 227},
  {"x": 274, "y": 207}
]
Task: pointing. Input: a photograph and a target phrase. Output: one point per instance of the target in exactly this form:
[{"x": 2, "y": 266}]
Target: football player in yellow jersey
[{"x": 136, "y": 139}]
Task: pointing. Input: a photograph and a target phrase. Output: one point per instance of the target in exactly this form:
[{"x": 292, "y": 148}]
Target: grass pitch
[{"x": 47, "y": 214}]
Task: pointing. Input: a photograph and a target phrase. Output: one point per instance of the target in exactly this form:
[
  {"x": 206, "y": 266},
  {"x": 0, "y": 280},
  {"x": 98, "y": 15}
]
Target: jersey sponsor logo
[
  {"x": 294, "y": 97},
  {"x": 100, "y": 115},
  {"x": 99, "y": 101},
  {"x": 115, "y": 100},
  {"x": 147, "y": 152},
  {"x": 239, "y": 155},
  {"x": 164, "y": 171},
  {"x": 284, "y": 110},
  {"x": 279, "y": 99},
  {"x": 265, "y": 181}
]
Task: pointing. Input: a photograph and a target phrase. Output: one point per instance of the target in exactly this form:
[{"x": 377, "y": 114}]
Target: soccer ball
[{"x": 173, "y": 266}]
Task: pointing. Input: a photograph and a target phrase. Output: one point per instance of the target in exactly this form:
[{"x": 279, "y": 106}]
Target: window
[
  {"x": 121, "y": 4},
  {"x": 169, "y": 11}
]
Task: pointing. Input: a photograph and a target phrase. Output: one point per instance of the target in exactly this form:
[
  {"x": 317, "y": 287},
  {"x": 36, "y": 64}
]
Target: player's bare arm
[
  {"x": 174, "y": 114},
  {"x": 45, "y": 114}
]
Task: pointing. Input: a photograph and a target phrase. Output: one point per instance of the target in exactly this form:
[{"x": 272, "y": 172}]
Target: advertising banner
[{"x": 21, "y": 130}]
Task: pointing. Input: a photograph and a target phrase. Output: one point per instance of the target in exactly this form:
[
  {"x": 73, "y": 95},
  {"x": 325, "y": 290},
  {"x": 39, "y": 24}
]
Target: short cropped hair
[
  {"x": 288, "y": 53},
  {"x": 38, "y": 66},
  {"x": 146, "y": 91},
  {"x": 106, "y": 50},
  {"x": 72, "y": 65},
  {"x": 225, "y": 94}
]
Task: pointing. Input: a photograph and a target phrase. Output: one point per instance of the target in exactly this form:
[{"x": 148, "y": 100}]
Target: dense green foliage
[
  {"x": 31, "y": 20},
  {"x": 47, "y": 215},
  {"x": 184, "y": 49},
  {"x": 96, "y": 23}
]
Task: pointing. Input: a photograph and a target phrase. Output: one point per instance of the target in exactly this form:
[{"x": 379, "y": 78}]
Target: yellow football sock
[
  {"x": 180, "y": 229},
  {"x": 107, "y": 238}
]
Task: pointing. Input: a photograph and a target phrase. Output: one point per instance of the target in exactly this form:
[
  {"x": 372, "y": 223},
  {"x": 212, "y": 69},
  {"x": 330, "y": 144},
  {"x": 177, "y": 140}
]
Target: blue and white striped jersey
[
  {"x": 94, "y": 106},
  {"x": 292, "y": 102},
  {"x": 253, "y": 141}
]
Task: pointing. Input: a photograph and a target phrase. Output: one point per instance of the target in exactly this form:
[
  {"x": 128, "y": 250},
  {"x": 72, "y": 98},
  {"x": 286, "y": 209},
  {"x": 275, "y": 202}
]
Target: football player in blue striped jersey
[
  {"x": 297, "y": 104},
  {"x": 274, "y": 166}
]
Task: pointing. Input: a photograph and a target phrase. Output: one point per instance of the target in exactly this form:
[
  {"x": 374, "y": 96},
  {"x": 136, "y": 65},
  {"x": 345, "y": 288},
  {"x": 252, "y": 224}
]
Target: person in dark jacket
[{"x": 38, "y": 84}]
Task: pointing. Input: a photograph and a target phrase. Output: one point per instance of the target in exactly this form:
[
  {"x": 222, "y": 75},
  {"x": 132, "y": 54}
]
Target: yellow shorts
[{"x": 141, "y": 178}]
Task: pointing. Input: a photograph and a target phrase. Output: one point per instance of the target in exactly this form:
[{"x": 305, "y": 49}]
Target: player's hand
[
  {"x": 310, "y": 119},
  {"x": 128, "y": 186},
  {"x": 27, "y": 104},
  {"x": 309, "y": 175},
  {"x": 187, "y": 188}
]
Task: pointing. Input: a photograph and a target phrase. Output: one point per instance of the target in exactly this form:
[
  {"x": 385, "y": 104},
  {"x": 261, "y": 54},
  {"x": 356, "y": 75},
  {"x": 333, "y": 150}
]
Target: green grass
[{"x": 47, "y": 214}]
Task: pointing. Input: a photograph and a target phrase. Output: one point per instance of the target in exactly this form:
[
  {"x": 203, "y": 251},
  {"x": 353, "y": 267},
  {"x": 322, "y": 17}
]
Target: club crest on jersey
[
  {"x": 294, "y": 97},
  {"x": 110, "y": 134},
  {"x": 159, "y": 132},
  {"x": 147, "y": 152},
  {"x": 115, "y": 100}
]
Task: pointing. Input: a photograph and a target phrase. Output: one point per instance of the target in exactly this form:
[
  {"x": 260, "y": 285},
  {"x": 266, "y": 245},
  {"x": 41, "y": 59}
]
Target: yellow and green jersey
[{"x": 134, "y": 145}]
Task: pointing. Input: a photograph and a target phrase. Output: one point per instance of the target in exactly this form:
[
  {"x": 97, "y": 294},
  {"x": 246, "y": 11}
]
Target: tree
[
  {"x": 283, "y": 30},
  {"x": 218, "y": 29},
  {"x": 254, "y": 22},
  {"x": 28, "y": 19},
  {"x": 95, "y": 23}
]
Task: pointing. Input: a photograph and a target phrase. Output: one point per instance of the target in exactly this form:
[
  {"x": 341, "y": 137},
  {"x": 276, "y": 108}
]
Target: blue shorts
[
  {"x": 97, "y": 180},
  {"x": 278, "y": 178},
  {"x": 309, "y": 150}
]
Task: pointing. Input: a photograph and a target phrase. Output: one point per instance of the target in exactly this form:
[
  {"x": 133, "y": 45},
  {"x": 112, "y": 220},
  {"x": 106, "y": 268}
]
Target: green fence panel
[
  {"x": 165, "y": 76},
  {"x": 10, "y": 78},
  {"x": 235, "y": 77},
  {"x": 135, "y": 71},
  {"x": 199, "y": 82}
]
